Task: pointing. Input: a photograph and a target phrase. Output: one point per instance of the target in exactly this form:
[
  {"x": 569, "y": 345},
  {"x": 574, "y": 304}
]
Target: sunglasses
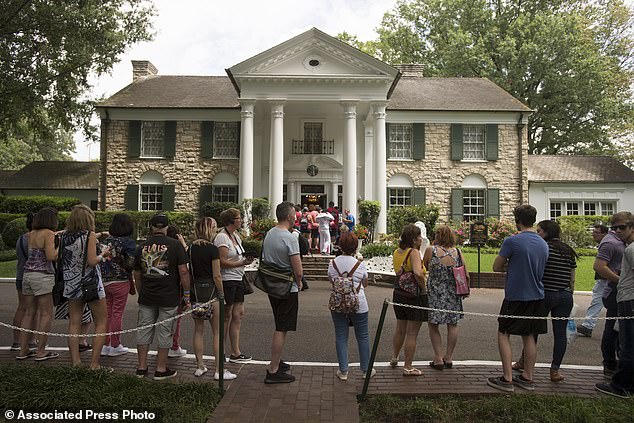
[{"x": 618, "y": 227}]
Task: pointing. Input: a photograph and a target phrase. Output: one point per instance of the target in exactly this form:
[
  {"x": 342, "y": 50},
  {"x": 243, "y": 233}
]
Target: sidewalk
[{"x": 318, "y": 396}]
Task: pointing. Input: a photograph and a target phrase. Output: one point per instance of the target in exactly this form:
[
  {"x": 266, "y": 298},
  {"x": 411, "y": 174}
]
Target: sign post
[{"x": 478, "y": 235}]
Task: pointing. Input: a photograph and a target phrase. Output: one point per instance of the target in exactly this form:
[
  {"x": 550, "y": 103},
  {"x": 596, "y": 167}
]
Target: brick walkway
[{"x": 318, "y": 396}]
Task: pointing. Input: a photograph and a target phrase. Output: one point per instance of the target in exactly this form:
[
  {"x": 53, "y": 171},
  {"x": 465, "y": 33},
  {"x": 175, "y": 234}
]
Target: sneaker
[
  {"x": 200, "y": 371},
  {"x": 227, "y": 375},
  {"x": 239, "y": 358},
  {"x": 342, "y": 375},
  {"x": 85, "y": 347},
  {"x": 168, "y": 373},
  {"x": 608, "y": 372},
  {"x": 15, "y": 346},
  {"x": 177, "y": 353},
  {"x": 283, "y": 367},
  {"x": 279, "y": 377},
  {"x": 141, "y": 373},
  {"x": 607, "y": 388},
  {"x": 116, "y": 351},
  {"x": 501, "y": 384},
  {"x": 372, "y": 373},
  {"x": 524, "y": 383},
  {"x": 105, "y": 350},
  {"x": 584, "y": 331}
]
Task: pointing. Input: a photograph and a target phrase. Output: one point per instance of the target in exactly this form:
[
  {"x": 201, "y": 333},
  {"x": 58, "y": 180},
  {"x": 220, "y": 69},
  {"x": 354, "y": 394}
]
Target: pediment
[{"x": 301, "y": 163}]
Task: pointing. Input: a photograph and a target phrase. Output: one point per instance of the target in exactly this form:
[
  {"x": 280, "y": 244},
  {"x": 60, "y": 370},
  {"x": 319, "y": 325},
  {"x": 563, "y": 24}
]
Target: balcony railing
[{"x": 313, "y": 147}]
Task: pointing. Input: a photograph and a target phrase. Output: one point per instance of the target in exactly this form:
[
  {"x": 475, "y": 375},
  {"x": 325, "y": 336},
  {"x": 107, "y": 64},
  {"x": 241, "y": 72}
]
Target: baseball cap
[{"x": 159, "y": 221}]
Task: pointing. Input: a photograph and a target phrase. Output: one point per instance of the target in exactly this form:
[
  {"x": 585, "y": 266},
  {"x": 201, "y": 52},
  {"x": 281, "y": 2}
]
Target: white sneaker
[
  {"x": 372, "y": 373},
  {"x": 177, "y": 353},
  {"x": 342, "y": 375},
  {"x": 105, "y": 350},
  {"x": 200, "y": 371},
  {"x": 115, "y": 351},
  {"x": 226, "y": 376}
]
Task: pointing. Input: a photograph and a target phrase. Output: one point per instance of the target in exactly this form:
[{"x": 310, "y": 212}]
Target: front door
[{"x": 314, "y": 194}]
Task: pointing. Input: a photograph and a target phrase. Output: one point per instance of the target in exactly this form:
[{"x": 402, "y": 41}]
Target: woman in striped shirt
[{"x": 559, "y": 284}]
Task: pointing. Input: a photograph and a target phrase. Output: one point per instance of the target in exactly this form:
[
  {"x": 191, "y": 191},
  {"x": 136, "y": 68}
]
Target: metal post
[
  {"x": 478, "y": 265},
  {"x": 375, "y": 347},
  {"x": 221, "y": 346}
]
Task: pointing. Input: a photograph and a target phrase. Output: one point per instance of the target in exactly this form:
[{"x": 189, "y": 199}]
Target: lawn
[{"x": 7, "y": 269}]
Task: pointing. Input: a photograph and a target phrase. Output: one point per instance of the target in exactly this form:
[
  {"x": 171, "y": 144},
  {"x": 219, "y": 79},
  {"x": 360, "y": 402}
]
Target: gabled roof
[
  {"x": 452, "y": 94},
  {"x": 54, "y": 175},
  {"x": 583, "y": 169}
]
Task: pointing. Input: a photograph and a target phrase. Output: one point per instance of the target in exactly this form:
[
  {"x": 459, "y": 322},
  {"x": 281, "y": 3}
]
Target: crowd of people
[{"x": 171, "y": 276}]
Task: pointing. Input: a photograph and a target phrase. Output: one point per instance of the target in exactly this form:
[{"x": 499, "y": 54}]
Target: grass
[
  {"x": 495, "y": 409},
  {"x": 39, "y": 389},
  {"x": 7, "y": 269},
  {"x": 584, "y": 279}
]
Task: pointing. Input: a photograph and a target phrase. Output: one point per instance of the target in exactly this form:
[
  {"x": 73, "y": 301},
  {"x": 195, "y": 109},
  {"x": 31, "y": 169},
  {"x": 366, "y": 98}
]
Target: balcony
[{"x": 314, "y": 147}]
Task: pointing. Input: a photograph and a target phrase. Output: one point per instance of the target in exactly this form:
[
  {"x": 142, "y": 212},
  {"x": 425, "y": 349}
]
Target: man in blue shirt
[
  {"x": 523, "y": 256},
  {"x": 348, "y": 219}
]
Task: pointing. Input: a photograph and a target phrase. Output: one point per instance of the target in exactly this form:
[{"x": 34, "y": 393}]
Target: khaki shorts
[
  {"x": 152, "y": 314},
  {"x": 37, "y": 283}
]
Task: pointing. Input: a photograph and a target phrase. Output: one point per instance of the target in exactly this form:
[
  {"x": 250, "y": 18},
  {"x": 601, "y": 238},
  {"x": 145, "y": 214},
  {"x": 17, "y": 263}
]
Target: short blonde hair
[{"x": 81, "y": 219}]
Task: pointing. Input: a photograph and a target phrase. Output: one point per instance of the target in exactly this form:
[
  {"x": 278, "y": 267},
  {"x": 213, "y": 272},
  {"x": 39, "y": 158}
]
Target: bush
[
  {"x": 14, "y": 230},
  {"x": 259, "y": 228},
  {"x": 214, "y": 208},
  {"x": 251, "y": 244},
  {"x": 8, "y": 217},
  {"x": 498, "y": 230},
  {"x": 23, "y": 204},
  {"x": 8, "y": 255},
  {"x": 398, "y": 217},
  {"x": 377, "y": 249},
  {"x": 260, "y": 208},
  {"x": 368, "y": 215},
  {"x": 577, "y": 230}
]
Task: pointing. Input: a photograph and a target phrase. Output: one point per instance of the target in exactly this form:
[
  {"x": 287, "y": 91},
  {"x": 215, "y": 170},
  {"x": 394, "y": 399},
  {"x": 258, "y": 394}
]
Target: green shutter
[
  {"x": 168, "y": 197},
  {"x": 134, "y": 139},
  {"x": 457, "y": 206},
  {"x": 419, "y": 141},
  {"x": 456, "y": 141},
  {"x": 492, "y": 141},
  {"x": 418, "y": 196},
  {"x": 207, "y": 139},
  {"x": 169, "y": 148},
  {"x": 239, "y": 134},
  {"x": 387, "y": 198},
  {"x": 131, "y": 198},
  {"x": 204, "y": 195},
  {"x": 493, "y": 203}
]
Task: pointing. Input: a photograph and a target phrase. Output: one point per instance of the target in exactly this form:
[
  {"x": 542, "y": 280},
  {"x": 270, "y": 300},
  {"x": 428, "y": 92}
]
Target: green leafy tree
[
  {"x": 571, "y": 61},
  {"x": 47, "y": 51}
]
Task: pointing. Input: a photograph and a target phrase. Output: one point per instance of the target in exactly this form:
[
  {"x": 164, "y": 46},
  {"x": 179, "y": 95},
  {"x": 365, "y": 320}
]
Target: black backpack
[
  {"x": 303, "y": 224},
  {"x": 304, "y": 248}
]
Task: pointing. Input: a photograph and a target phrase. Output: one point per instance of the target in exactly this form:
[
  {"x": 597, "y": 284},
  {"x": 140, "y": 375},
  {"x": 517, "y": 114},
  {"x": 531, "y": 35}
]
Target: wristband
[{"x": 186, "y": 294}]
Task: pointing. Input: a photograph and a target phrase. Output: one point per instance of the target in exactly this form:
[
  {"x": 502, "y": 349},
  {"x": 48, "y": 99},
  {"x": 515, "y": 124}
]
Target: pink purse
[{"x": 460, "y": 276}]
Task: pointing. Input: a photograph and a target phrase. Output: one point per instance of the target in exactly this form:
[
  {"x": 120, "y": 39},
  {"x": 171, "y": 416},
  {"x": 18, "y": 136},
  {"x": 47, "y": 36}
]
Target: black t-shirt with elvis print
[{"x": 158, "y": 259}]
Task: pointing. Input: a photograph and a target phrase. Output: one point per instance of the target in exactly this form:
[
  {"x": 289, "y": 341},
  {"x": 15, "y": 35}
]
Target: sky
[{"x": 196, "y": 37}]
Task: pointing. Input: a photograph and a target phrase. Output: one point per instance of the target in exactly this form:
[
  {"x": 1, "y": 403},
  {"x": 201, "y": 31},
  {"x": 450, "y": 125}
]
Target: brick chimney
[
  {"x": 142, "y": 69},
  {"x": 411, "y": 69}
]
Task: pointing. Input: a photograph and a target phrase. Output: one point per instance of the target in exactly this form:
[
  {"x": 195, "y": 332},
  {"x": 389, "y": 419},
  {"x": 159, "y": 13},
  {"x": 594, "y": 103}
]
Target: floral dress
[
  {"x": 73, "y": 247},
  {"x": 441, "y": 287}
]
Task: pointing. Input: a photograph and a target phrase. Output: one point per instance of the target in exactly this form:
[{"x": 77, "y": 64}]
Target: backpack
[
  {"x": 303, "y": 223},
  {"x": 343, "y": 297},
  {"x": 304, "y": 248}
]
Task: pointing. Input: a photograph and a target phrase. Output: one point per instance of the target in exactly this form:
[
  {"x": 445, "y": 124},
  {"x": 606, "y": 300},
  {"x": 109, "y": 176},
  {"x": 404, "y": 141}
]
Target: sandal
[
  {"x": 412, "y": 372},
  {"x": 518, "y": 366},
  {"x": 437, "y": 366},
  {"x": 49, "y": 355},
  {"x": 447, "y": 364},
  {"x": 393, "y": 362},
  {"x": 27, "y": 355}
]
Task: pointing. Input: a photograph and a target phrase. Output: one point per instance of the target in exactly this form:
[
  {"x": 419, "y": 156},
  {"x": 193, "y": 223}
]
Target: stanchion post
[
  {"x": 478, "y": 265},
  {"x": 375, "y": 347},
  {"x": 221, "y": 346}
]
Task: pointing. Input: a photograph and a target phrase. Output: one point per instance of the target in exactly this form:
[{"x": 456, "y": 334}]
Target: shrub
[
  {"x": 13, "y": 230},
  {"x": 8, "y": 255},
  {"x": 398, "y": 217},
  {"x": 576, "y": 230},
  {"x": 214, "y": 208},
  {"x": 368, "y": 215},
  {"x": 260, "y": 208},
  {"x": 251, "y": 244},
  {"x": 361, "y": 232},
  {"x": 260, "y": 227},
  {"x": 377, "y": 249},
  {"x": 23, "y": 204},
  {"x": 460, "y": 229},
  {"x": 498, "y": 230},
  {"x": 8, "y": 217}
]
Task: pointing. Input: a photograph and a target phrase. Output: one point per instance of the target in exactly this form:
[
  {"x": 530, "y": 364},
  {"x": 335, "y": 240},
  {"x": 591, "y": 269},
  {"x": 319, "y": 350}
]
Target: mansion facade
[{"x": 314, "y": 120}]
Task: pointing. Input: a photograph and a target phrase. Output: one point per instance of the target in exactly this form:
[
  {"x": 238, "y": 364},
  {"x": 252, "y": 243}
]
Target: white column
[
  {"x": 291, "y": 195},
  {"x": 368, "y": 165},
  {"x": 246, "y": 149},
  {"x": 333, "y": 194},
  {"x": 276, "y": 157},
  {"x": 349, "y": 157},
  {"x": 380, "y": 165}
]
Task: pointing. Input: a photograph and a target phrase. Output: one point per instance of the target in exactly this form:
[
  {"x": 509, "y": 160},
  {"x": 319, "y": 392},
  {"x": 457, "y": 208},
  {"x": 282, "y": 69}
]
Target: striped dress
[{"x": 558, "y": 270}]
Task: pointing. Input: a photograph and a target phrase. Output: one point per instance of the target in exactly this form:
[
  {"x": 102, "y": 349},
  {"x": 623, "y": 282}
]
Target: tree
[
  {"x": 47, "y": 51},
  {"x": 571, "y": 61}
]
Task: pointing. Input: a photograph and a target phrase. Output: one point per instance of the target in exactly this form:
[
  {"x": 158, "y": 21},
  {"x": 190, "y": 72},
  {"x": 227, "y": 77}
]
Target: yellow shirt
[{"x": 399, "y": 257}]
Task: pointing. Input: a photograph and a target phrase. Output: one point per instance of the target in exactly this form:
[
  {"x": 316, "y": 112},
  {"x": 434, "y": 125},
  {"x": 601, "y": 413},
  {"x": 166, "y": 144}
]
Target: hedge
[
  {"x": 8, "y": 217},
  {"x": 398, "y": 217},
  {"x": 12, "y": 231},
  {"x": 576, "y": 230},
  {"x": 23, "y": 204},
  {"x": 378, "y": 249}
]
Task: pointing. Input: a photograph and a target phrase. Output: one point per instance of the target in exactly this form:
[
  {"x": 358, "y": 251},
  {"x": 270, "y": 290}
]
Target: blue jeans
[
  {"x": 624, "y": 377},
  {"x": 558, "y": 304},
  {"x": 360, "y": 323},
  {"x": 610, "y": 338},
  {"x": 596, "y": 304}
]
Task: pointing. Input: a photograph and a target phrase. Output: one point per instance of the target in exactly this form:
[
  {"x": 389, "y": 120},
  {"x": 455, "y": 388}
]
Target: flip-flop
[
  {"x": 447, "y": 364},
  {"x": 24, "y": 357},
  {"x": 412, "y": 372},
  {"x": 49, "y": 355},
  {"x": 436, "y": 366},
  {"x": 393, "y": 362}
]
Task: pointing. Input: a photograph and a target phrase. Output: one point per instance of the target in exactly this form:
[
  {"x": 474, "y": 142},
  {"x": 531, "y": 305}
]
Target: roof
[
  {"x": 5, "y": 173},
  {"x": 452, "y": 94},
  {"x": 598, "y": 169},
  {"x": 54, "y": 175},
  {"x": 172, "y": 92}
]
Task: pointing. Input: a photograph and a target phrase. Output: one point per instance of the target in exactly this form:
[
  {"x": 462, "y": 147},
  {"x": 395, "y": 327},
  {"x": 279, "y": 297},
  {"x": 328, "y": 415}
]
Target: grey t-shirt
[
  {"x": 625, "y": 288},
  {"x": 278, "y": 247}
]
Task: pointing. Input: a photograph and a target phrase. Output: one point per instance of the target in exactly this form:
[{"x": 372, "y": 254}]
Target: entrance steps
[{"x": 316, "y": 267}]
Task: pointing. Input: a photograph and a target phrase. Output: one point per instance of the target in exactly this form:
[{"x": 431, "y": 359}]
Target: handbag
[
  {"x": 248, "y": 288},
  {"x": 406, "y": 282},
  {"x": 89, "y": 288},
  {"x": 58, "y": 287},
  {"x": 460, "y": 276},
  {"x": 276, "y": 282}
]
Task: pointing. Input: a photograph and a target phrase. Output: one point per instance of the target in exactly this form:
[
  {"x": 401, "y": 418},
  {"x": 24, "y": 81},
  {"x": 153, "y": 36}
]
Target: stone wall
[
  {"x": 439, "y": 174},
  {"x": 187, "y": 170}
]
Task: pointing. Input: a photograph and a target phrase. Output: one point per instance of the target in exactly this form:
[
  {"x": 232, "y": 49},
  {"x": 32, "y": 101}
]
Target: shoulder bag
[
  {"x": 276, "y": 282},
  {"x": 89, "y": 288},
  {"x": 460, "y": 276},
  {"x": 406, "y": 283}
]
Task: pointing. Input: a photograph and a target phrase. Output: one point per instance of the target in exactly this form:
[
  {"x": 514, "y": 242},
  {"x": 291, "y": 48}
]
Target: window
[
  {"x": 473, "y": 204},
  {"x": 226, "y": 140},
  {"x": 555, "y": 210},
  {"x": 151, "y": 197},
  {"x": 473, "y": 141},
  {"x": 152, "y": 139},
  {"x": 400, "y": 141},
  {"x": 607, "y": 209},
  {"x": 225, "y": 193},
  {"x": 574, "y": 208},
  {"x": 399, "y": 197},
  {"x": 590, "y": 209}
]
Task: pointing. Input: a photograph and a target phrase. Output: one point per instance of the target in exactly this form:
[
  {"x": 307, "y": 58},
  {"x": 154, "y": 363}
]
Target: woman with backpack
[{"x": 348, "y": 304}]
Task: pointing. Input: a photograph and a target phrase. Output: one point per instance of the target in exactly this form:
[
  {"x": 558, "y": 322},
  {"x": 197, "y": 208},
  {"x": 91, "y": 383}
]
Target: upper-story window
[
  {"x": 226, "y": 140},
  {"x": 152, "y": 139},
  {"x": 473, "y": 142},
  {"x": 400, "y": 138}
]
